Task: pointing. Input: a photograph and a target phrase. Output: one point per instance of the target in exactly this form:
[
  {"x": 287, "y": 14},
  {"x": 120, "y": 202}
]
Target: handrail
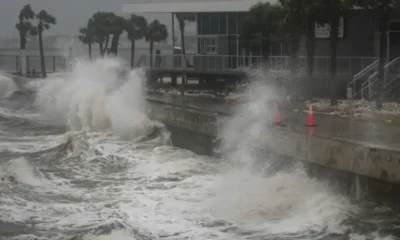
[
  {"x": 359, "y": 75},
  {"x": 386, "y": 66},
  {"x": 365, "y": 70},
  {"x": 368, "y": 83}
]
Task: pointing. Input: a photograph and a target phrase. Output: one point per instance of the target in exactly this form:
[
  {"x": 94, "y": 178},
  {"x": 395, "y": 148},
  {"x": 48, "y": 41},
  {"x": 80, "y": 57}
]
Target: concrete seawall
[{"x": 365, "y": 171}]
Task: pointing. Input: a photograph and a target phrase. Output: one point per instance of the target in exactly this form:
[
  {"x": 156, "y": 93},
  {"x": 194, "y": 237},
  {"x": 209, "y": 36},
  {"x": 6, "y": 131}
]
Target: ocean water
[{"x": 80, "y": 159}]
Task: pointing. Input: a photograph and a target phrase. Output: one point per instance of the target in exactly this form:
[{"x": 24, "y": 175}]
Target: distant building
[{"x": 218, "y": 29}]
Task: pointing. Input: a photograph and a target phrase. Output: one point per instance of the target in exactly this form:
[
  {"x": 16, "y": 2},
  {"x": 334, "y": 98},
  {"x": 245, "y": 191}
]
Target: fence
[
  {"x": 9, "y": 63},
  {"x": 345, "y": 65}
]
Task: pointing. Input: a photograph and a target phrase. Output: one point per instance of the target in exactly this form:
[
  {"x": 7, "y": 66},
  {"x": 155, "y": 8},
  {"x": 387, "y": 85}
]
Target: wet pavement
[{"x": 368, "y": 132}]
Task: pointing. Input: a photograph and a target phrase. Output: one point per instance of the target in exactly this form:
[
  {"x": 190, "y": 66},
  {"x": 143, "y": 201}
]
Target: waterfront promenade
[{"x": 369, "y": 132}]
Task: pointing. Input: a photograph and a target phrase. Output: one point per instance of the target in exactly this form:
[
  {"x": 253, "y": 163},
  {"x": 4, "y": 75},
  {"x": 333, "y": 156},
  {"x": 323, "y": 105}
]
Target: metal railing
[
  {"x": 348, "y": 66},
  {"x": 363, "y": 74},
  {"x": 11, "y": 63},
  {"x": 369, "y": 88}
]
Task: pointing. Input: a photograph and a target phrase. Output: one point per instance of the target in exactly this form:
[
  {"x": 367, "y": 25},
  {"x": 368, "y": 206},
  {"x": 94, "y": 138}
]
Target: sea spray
[
  {"x": 7, "y": 86},
  {"x": 244, "y": 134},
  {"x": 276, "y": 202},
  {"x": 97, "y": 95}
]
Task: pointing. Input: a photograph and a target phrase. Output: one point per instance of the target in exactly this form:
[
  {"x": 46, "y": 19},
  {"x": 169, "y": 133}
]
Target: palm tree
[
  {"x": 87, "y": 36},
  {"x": 183, "y": 18},
  {"x": 156, "y": 32},
  {"x": 136, "y": 27},
  {"x": 25, "y": 29},
  {"x": 45, "y": 20},
  {"x": 102, "y": 22},
  {"x": 117, "y": 27}
]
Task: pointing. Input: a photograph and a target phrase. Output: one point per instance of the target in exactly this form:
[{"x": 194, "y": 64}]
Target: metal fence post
[
  {"x": 16, "y": 64},
  {"x": 351, "y": 72},
  {"x": 27, "y": 62}
]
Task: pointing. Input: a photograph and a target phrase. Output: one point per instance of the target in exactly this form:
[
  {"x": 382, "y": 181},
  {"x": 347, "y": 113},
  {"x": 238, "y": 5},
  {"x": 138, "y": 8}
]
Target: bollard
[{"x": 349, "y": 93}]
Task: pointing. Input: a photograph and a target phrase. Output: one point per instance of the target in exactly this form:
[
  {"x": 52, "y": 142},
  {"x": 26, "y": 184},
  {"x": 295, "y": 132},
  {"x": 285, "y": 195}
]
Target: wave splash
[
  {"x": 286, "y": 200},
  {"x": 97, "y": 96},
  {"x": 7, "y": 87}
]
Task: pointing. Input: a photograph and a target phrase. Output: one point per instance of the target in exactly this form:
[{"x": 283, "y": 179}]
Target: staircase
[
  {"x": 360, "y": 78},
  {"x": 370, "y": 84}
]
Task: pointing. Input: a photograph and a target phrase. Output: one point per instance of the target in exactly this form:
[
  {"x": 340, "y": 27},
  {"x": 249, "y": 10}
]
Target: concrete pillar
[
  {"x": 173, "y": 80},
  {"x": 22, "y": 59},
  {"x": 358, "y": 188}
]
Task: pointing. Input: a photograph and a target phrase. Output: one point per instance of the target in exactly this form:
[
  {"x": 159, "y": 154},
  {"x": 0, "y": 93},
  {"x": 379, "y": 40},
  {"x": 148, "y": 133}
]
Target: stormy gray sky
[{"x": 70, "y": 14}]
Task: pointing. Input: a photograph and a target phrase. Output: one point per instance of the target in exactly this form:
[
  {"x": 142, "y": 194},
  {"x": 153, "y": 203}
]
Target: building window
[
  {"x": 208, "y": 45},
  {"x": 222, "y": 23},
  {"x": 232, "y": 23},
  {"x": 215, "y": 23},
  {"x": 204, "y": 23}
]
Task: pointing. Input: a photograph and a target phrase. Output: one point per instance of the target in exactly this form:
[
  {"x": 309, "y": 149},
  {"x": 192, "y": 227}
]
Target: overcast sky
[{"x": 70, "y": 14}]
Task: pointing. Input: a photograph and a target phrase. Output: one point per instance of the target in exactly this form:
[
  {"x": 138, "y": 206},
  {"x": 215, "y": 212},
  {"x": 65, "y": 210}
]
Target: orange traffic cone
[
  {"x": 310, "y": 117},
  {"x": 277, "y": 116}
]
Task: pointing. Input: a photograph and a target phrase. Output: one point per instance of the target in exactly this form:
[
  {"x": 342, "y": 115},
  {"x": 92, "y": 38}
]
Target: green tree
[
  {"x": 102, "y": 22},
  {"x": 156, "y": 32},
  {"x": 117, "y": 27},
  {"x": 261, "y": 27},
  {"x": 87, "y": 36},
  {"x": 45, "y": 20},
  {"x": 24, "y": 25},
  {"x": 25, "y": 29},
  {"x": 136, "y": 27},
  {"x": 184, "y": 18}
]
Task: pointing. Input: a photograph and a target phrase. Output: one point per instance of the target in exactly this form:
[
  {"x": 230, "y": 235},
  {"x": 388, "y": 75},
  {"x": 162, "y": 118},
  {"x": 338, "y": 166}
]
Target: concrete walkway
[{"x": 368, "y": 132}]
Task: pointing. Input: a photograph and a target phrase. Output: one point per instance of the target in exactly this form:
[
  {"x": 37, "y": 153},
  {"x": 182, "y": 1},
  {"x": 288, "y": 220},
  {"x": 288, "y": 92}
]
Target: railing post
[
  {"x": 16, "y": 64},
  {"x": 54, "y": 64},
  {"x": 351, "y": 72},
  {"x": 27, "y": 62}
]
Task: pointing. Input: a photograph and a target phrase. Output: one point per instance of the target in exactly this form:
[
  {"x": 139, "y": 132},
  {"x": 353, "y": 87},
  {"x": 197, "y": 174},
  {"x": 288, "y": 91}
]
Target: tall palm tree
[
  {"x": 136, "y": 27},
  {"x": 87, "y": 36},
  {"x": 102, "y": 22},
  {"x": 156, "y": 32},
  {"x": 25, "y": 29},
  {"x": 45, "y": 20},
  {"x": 117, "y": 27},
  {"x": 183, "y": 18}
]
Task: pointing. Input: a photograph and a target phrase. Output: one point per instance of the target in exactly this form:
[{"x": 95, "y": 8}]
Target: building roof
[{"x": 191, "y": 6}]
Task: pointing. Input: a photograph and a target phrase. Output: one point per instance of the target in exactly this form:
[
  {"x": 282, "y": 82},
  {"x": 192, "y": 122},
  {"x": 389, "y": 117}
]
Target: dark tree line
[
  {"x": 289, "y": 19},
  {"x": 106, "y": 28}
]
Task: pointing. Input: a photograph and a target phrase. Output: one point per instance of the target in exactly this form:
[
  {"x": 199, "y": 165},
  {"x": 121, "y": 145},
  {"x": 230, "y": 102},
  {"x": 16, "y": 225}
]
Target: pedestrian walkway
[{"x": 368, "y": 132}]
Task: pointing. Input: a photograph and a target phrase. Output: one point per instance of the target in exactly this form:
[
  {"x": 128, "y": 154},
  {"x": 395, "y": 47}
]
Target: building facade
[{"x": 219, "y": 25}]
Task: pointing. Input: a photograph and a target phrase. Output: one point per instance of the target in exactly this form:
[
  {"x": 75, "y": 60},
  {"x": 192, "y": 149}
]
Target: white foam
[
  {"x": 96, "y": 97},
  {"x": 120, "y": 235},
  {"x": 21, "y": 171},
  {"x": 7, "y": 86},
  {"x": 284, "y": 203}
]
